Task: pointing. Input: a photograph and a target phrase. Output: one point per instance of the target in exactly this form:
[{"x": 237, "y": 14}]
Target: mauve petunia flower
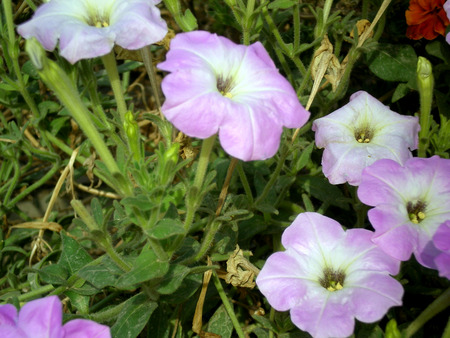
[
  {"x": 42, "y": 318},
  {"x": 327, "y": 277},
  {"x": 215, "y": 85},
  {"x": 90, "y": 28},
  {"x": 441, "y": 241},
  {"x": 447, "y": 10},
  {"x": 426, "y": 19},
  {"x": 361, "y": 132},
  {"x": 410, "y": 201}
]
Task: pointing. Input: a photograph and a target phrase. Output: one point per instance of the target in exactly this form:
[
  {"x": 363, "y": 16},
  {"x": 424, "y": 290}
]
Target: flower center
[
  {"x": 416, "y": 211},
  {"x": 363, "y": 134},
  {"x": 224, "y": 86},
  {"x": 332, "y": 280}
]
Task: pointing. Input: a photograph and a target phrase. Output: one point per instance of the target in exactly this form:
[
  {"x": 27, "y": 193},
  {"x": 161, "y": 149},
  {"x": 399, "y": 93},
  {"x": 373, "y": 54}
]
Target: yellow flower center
[
  {"x": 363, "y": 134},
  {"x": 332, "y": 280},
  {"x": 416, "y": 211},
  {"x": 224, "y": 86}
]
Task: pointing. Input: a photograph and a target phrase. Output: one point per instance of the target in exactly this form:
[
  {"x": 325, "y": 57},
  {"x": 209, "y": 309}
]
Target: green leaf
[
  {"x": 146, "y": 267},
  {"x": 401, "y": 90},
  {"x": 172, "y": 279},
  {"x": 439, "y": 50},
  {"x": 321, "y": 189},
  {"x": 73, "y": 255},
  {"x": 303, "y": 158},
  {"x": 133, "y": 317},
  {"x": 220, "y": 323},
  {"x": 101, "y": 273},
  {"x": 46, "y": 107},
  {"x": 393, "y": 62},
  {"x": 166, "y": 228},
  {"x": 283, "y": 4},
  {"x": 190, "y": 285},
  {"x": 79, "y": 301},
  {"x": 53, "y": 274},
  {"x": 97, "y": 211}
]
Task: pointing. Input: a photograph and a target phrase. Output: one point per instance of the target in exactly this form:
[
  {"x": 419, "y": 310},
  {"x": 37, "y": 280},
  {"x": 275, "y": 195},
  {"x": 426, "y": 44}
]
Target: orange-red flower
[{"x": 426, "y": 19}]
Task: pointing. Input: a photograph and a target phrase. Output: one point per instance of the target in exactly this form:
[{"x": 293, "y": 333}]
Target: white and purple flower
[
  {"x": 441, "y": 241},
  {"x": 447, "y": 10},
  {"x": 42, "y": 318},
  {"x": 217, "y": 86},
  {"x": 90, "y": 28},
  {"x": 360, "y": 133},
  {"x": 410, "y": 203},
  {"x": 327, "y": 277}
]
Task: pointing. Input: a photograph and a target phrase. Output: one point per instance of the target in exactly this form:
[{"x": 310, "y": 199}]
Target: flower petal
[
  {"x": 323, "y": 314},
  {"x": 372, "y": 294},
  {"x": 283, "y": 280},
  {"x": 42, "y": 316},
  {"x": 82, "y": 328},
  {"x": 8, "y": 315}
]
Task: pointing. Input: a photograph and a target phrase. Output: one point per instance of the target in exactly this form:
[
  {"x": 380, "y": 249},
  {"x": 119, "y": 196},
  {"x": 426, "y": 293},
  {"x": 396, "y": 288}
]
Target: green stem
[
  {"x": 439, "y": 304},
  {"x": 273, "y": 178},
  {"x": 14, "y": 58},
  {"x": 296, "y": 27},
  {"x": 58, "y": 81},
  {"x": 227, "y": 305},
  {"x": 109, "y": 61},
  {"x": 365, "y": 9},
  {"x": 207, "y": 240},
  {"x": 36, "y": 292},
  {"x": 244, "y": 181},
  {"x": 106, "y": 315},
  {"x": 100, "y": 237},
  {"x": 195, "y": 190},
  {"x": 146, "y": 54}
]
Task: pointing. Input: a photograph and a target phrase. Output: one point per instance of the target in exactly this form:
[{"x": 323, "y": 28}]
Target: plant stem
[
  {"x": 146, "y": 54},
  {"x": 273, "y": 178},
  {"x": 244, "y": 181},
  {"x": 227, "y": 305},
  {"x": 36, "y": 292},
  {"x": 109, "y": 61},
  {"x": 195, "y": 190},
  {"x": 439, "y": 304}
]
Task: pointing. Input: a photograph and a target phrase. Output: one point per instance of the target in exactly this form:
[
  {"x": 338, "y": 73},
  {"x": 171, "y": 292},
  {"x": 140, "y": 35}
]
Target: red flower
[{"x": 426, "y": 19}]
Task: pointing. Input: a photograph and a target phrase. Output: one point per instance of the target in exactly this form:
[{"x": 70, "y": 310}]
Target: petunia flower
[
  {"x": 90, "y": 28},
  {"x": 42, "y": 318},
  {"x": 410, "y": 201},
  {"x": 426, "y": 19},
  {"x": 447, "y": 10},
  {"x": 217, "y": 86},
  {"x": 441, "y": 241},
  {"x": 327, "y": 277},
  {"x": 361, "y": 132}
]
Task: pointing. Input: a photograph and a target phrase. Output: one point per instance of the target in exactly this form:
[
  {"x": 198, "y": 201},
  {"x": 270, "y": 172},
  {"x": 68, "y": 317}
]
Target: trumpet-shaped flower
[
  {"x": 215, "y": 85},
  {"x": 89, "y": 28},
  {"x": 441, "y": 240},
  {"x": 42, "y": 318},
  {"x": 361, "y": 132},
  {"x": 327, "y": 277},
  {"x": 447, "y": 10},
  {"x": 410, "y": 201}
]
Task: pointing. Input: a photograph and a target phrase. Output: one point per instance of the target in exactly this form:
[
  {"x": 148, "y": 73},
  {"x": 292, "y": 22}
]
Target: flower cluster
[
  {"x": 360, "y": 133},
  {"x": 90, "y": 28},
  {"x": 327, "y": 277},
  {"x": 426, "y": 19},
  {"x": 217, "y": 86},
  {"x": 43, "y": 318}
]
